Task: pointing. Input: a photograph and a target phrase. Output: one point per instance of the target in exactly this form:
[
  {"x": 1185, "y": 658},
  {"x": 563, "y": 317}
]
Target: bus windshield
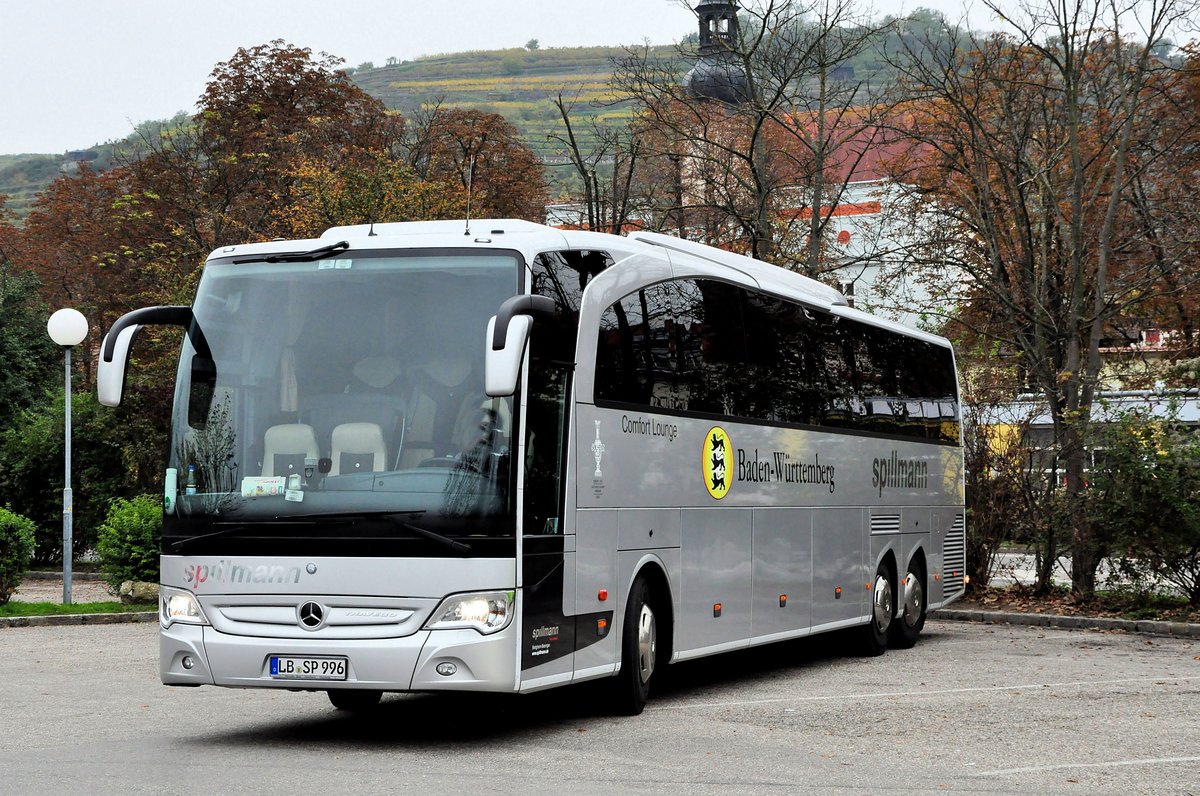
[{"x": 343, "y": 406}]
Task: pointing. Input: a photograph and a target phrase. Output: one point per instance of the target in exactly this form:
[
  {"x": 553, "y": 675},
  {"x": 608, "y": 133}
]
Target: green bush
[
  {"x": 16, "y": 546},
  {"x": 1146, "y": 502},
  {"x": 128, "y": 540},
  {"x": 114, "y": 453}
]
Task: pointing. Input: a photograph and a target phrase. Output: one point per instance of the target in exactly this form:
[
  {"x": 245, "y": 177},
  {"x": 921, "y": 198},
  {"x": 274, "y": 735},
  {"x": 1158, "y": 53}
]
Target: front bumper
[{"x": 408, "y": 663}]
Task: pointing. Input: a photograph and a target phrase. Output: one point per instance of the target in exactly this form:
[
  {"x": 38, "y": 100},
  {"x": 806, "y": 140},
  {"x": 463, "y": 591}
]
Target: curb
[
  {"x": 1144, "y": 626},
  {"x": 45, "y": 575},
  {"x": 79, "y": 619}
]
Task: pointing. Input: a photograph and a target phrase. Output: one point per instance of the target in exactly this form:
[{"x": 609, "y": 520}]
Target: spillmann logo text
[
  {"x": 896, "y": 473},
  {"x": 228, "y": 572}
]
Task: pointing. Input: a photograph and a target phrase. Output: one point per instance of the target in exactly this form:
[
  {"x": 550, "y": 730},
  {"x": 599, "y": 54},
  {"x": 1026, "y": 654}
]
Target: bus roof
[{"x": 530, "y": 238}]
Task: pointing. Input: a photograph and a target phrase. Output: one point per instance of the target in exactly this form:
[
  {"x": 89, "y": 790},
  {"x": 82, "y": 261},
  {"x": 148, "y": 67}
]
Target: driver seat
[
  {"x": 358, "y": 448},
  {"x": 286, "y": 446}
]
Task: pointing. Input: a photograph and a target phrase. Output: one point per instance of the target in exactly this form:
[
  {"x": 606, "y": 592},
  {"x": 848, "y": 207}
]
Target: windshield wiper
[
  {"x": 351, "y": 517},
  {"x": 231, "y": 528},
  {"x": 318, "y": 253}
]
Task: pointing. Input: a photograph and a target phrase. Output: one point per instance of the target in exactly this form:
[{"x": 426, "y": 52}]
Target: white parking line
[
  {"x": 879, "y": 694},
  {"x": 1149, "y": 761}
]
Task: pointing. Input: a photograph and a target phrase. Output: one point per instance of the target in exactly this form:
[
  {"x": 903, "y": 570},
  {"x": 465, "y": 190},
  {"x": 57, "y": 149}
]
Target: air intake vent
[
  {"x": 954, "y": 557},
  {"x": 885, "y": 523}
]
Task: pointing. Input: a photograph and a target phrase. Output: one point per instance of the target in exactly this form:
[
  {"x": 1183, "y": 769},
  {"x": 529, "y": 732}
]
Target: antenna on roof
[
  {"x": 470, "y": 176},
  {"x": 371, "y": 232}
]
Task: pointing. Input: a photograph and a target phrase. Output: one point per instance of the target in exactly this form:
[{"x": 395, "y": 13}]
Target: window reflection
[{"x": 715, "y": 348}]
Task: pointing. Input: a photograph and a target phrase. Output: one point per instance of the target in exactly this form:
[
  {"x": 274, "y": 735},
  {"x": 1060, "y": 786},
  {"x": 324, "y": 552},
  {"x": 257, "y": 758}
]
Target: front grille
[{"x": 342, "y": 617}]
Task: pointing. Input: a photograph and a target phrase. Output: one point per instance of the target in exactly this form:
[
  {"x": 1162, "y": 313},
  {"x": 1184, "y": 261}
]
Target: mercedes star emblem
[{"x": 311, "y": 615}]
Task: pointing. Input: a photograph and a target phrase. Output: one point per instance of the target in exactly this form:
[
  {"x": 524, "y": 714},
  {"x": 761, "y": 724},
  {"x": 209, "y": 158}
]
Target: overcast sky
[{"x": 74, "y": 73}]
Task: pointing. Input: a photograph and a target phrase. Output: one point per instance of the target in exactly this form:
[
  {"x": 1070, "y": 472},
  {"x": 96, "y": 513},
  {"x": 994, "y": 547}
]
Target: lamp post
[{"x": 67, "y": 328}]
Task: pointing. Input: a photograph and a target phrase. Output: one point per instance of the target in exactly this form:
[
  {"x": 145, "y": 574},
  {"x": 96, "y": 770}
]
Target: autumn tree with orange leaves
[
  {"x": 227, "y": 177},
  {"x": 1033, "y": 145},
  {"x": 483, "y": 154},
  {"x": 372, "y": 189}
]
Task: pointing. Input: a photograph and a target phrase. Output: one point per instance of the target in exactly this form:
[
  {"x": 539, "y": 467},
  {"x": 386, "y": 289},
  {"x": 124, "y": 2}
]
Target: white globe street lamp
[{"x": 67, "y": 328}]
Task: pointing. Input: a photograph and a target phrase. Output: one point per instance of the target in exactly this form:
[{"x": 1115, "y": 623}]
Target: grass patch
[{"x": 15, "y": 608}]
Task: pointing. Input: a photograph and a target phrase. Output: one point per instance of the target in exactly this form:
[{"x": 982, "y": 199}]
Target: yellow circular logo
[{"x": 717, "y": 453}]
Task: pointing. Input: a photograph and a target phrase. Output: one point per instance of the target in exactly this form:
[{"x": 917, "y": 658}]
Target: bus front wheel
[
  {"x": 883, "y": 609},
  {"x": 639, "y": 651}
]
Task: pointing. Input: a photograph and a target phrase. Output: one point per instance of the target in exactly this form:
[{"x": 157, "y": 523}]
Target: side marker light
[{"x": 716, "y": 609}]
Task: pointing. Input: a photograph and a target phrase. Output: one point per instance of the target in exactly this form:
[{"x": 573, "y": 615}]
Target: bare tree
[
  {"x": 1027, "y": 153},
  {"x": 612, "y": 153}
]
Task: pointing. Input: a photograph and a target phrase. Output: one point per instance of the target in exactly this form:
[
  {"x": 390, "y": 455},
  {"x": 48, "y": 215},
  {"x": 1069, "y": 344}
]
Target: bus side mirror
[
  {"x": 114, "y": 351},
  {"x": 502, "y": 368},
  {"x": 110, "y": 371},
  {"x": 507, "y": 335}
]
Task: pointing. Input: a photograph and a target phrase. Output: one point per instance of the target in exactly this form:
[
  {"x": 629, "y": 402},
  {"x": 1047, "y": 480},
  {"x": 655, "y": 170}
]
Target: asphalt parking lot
[{"x": 973, "y": 708}]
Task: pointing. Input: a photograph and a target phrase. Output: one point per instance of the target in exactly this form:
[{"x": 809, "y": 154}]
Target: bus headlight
[
  {"x": 177, "y": 605},
  {"x": 486, "y": 612}
]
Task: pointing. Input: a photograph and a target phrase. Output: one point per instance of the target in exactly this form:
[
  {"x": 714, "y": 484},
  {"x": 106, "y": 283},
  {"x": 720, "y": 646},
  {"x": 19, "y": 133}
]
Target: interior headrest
[
  {"x": 377, "y": 372},
  {"x": 449, "y": 372}
]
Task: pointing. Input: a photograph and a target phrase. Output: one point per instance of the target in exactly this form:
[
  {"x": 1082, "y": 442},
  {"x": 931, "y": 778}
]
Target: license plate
[{"x": 288, "y": 667}]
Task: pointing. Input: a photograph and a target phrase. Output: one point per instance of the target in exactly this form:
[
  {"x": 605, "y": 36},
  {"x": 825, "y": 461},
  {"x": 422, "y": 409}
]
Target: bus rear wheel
[
  {"x": 639, "y": 651},
  {"x": 883, "y": 608},
  {"x": 907, "y": 627},
  {"x": 355, "y": 701}
]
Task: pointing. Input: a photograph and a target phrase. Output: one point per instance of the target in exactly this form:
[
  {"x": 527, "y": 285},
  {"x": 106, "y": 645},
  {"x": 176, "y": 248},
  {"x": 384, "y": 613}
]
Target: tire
[
  {"x": 355, "y": 701},
  {"x": 883, "y": 609},
  {"x": 639, "y": 652},
  {"x": 906, "y": 629}
]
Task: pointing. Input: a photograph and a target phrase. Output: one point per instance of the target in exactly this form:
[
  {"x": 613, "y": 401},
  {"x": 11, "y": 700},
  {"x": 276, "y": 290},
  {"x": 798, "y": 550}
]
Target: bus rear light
[
  {"x": 601, "y": 627},
  {"x": 602, "y": 595},
  {"x": 837, "y": 592},
  {"x": 716, "y": 609},
  {"x": 783, "y": 601}
]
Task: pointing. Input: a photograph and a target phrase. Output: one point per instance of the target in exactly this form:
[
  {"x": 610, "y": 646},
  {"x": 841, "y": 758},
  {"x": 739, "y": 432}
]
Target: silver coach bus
[{"x": 405, "y": 458}]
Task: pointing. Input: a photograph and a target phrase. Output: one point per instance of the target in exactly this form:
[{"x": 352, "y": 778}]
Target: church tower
[{"x": 718, "y": 75}]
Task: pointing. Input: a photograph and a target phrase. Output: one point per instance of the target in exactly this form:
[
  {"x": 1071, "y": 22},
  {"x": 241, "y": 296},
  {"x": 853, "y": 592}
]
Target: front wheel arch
[{"x": 647, "y": 603}]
